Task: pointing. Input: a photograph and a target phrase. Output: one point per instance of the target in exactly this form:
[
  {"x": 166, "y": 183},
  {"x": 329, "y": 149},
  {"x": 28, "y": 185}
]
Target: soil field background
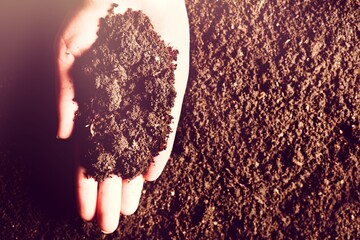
[{"x": 267, "y": 146}]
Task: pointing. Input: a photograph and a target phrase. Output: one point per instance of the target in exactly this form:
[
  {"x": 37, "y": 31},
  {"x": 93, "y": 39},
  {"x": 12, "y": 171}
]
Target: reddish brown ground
[{"x": 267, "y": 146}]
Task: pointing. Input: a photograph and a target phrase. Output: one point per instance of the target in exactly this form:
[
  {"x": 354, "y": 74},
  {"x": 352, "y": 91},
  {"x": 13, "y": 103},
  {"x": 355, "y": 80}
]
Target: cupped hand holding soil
[{"x": 115, "y": 194}]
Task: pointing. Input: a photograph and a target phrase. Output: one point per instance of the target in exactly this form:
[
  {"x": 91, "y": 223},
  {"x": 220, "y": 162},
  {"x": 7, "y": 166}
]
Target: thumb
[{"x": 66, "y": 93}]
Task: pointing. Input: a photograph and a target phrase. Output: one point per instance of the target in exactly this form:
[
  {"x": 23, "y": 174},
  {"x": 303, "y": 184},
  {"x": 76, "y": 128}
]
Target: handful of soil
[{"x": 125, "y": 91}]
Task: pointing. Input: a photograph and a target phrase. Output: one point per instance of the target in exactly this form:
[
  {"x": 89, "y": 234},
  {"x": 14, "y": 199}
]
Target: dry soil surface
[{"x": 267, "y": 145}]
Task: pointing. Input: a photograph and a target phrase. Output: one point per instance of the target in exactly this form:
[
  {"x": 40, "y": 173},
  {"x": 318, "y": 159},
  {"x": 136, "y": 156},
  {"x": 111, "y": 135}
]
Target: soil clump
[{"x": 125, "y": 90}]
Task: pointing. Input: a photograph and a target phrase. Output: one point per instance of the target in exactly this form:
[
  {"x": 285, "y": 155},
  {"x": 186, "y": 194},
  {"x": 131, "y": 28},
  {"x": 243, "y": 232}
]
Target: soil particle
[
  {"x": 125, "y": 91},
  {"x": 267, "y": 145}
]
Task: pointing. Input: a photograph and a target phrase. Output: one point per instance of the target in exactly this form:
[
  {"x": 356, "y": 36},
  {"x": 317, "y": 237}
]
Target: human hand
[{"x": 108, "y": 198}]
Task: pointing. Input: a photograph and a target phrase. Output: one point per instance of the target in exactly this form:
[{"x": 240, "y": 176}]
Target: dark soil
[
  {"x": 267, "y": 146},
  {"x": 125, "y": 90}
]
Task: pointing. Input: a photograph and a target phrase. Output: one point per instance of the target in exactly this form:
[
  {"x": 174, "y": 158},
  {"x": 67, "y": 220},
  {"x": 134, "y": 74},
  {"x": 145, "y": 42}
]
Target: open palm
[{"x": 108, "y": 198}]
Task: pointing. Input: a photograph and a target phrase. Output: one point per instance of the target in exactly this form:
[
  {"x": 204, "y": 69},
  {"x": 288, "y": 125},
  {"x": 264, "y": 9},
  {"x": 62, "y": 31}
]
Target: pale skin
[{"x": 107, "y": 199}]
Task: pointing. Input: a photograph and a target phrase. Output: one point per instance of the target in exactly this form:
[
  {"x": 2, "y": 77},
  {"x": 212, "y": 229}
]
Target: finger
[
  {"x": 109, "y": 203},
  {"x": 66, "y": 93},
  {"x": 86, "y": 189},
  {"x": 131, "y": 193}
]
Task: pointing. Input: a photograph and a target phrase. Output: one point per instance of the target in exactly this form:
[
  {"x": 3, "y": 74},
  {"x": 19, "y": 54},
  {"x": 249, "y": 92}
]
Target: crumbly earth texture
[
  {"x": 125, "y": 90},
  {"x": 268, "y": 143}
]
